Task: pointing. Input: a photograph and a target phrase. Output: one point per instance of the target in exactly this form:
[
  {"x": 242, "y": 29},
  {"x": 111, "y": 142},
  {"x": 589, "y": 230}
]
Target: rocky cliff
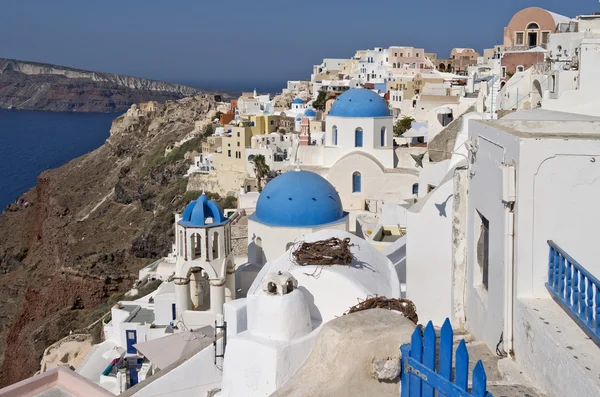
[
  {"x": 38, "y": 86},
  {"x": 73, "y": 243}
]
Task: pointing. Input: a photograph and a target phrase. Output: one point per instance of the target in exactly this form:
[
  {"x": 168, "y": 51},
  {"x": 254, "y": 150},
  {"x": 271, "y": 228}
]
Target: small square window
[
  {"x": 519, "y": 38},
  {"x": 545, "y": 37},
  {"x": 229, "y": 153}
]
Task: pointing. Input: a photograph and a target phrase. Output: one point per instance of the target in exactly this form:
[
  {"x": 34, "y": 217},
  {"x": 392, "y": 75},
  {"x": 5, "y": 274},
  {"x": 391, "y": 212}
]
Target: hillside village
[{"x": 393, "y": 199}]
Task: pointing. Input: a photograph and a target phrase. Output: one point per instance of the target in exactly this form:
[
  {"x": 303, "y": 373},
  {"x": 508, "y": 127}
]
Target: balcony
[
  {"x": 556, "y": 335},
  {"x": 575, "y": 289}
]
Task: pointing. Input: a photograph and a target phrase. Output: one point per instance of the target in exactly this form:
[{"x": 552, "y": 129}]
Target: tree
[
  {"x": 403, "y": 125},
  {"x": 208, "y": 130},
  {"x": 261, "y": 169},
  {"x": 319, "y": 103}
]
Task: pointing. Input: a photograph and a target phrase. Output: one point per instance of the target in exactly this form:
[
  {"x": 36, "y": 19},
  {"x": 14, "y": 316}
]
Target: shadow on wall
[
  {"x": 442, "y": 207},
  {"x": 315, "y": 314},
  {"x": 256, "y": 254}
]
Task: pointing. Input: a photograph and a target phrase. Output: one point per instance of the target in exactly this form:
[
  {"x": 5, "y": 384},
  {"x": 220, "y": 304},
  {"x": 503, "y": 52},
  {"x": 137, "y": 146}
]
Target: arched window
[
  {"x": 394, "y": 65},
  {"x": 196, "y": 245},
  {"x": 358, "y": 137},
  {"x": 251, "y": 157},
  {"x": 334, "y": 135},
  {"x": 382, "y": 137},
  {"x": 533, "y": 26},
  {"x": 215, "y": 245},
  {"x": 415, "y": 189},
  {"x": 356, "y": 182}
]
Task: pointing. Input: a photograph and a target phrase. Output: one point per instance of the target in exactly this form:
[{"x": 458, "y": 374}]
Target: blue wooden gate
[{"x": 420, "y": 377}]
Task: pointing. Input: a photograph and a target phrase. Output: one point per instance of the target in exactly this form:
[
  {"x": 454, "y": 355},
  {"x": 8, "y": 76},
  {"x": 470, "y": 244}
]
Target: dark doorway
[{"x": 532, "y": 39}]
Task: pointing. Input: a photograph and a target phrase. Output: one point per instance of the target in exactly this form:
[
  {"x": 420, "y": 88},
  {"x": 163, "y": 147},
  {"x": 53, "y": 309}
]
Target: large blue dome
[
  {"x": 198, "y": 211},
  {"x": 359, "y": 102},
  {"x": 299, "y": 199}
]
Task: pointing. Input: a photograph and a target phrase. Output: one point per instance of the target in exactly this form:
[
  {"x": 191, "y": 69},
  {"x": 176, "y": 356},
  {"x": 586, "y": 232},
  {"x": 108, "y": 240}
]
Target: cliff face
[
  {"x": 37, "y": 86},
  {"x": 81, "y": 235}
]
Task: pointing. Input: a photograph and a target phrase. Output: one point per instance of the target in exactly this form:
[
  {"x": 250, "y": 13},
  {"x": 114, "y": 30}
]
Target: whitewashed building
[
  {"x": 518, "y": 191},
  {"x": 358, "y": 156}
]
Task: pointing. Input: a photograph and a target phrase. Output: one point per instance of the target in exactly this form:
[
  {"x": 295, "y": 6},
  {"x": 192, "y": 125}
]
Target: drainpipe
[
  {"x": 509, "y": 279},
  {"x": 509, "y": 197}
]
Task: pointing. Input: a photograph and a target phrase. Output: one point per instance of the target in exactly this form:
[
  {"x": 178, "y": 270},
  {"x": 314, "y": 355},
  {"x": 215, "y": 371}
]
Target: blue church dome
[
  {"x": 298, "y": 101},
  {"x": 298, "y": 199},
  {"x": 310, "y": 113},
  {"x": 359, "y": 102},
  {"x": 196, "y": 213}
]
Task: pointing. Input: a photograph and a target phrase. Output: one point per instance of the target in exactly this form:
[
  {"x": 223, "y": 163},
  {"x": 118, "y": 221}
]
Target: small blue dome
[
  {"x": 310, "y": 113},
  {"x": 299, "y": 199},
  {"x": 298, "y": 101},
  {"x": 199, "y": 210},
  {"x": 359, "y": 102},
  {"x": 298, "y": 118}
]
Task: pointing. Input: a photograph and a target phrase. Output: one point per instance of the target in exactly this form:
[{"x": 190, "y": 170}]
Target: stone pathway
[{"x": 504, "y": 377}]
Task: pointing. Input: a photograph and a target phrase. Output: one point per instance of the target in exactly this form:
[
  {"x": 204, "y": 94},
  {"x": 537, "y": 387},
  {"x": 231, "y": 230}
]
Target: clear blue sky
[{"x": 241, "y": 43}]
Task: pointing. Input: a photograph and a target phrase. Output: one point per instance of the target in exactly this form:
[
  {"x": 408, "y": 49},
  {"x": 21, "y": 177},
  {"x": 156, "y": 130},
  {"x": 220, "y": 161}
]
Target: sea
[{"x": 31, "y": 142}]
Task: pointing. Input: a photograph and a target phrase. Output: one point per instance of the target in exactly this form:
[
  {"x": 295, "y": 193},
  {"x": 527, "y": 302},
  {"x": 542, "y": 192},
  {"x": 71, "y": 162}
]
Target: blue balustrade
[
  {"x": 575, "y": 289},
  {"x": 421, "y": 378}
]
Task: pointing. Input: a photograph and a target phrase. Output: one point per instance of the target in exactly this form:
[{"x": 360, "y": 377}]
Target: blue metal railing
[
  {"x": 575, "y": 289},
  {"x": 421, "y": 377}
]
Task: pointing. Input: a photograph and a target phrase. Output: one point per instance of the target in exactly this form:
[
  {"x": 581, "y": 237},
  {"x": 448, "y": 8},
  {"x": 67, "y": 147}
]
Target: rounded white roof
[{"x": 331, "y": 290}]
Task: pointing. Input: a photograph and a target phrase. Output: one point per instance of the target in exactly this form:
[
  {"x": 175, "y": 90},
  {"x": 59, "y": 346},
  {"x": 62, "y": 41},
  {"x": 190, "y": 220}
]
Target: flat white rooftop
[{"x": 541, "y": 123}]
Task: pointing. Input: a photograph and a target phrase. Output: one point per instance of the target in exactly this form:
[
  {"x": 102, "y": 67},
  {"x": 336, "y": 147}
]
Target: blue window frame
[
  {"x": 415, "y": 189},
  {"x": 356, "y": 182},
  {"x": 382, "y": 136},
  {"x": 334, "y": 136},
  {"x": 358, "y": 137},
  {"x": 174, "y": 311}
]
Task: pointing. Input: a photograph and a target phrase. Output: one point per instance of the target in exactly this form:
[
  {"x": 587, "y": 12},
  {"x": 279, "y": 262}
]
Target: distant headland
[{"x": 39, "y": 86}]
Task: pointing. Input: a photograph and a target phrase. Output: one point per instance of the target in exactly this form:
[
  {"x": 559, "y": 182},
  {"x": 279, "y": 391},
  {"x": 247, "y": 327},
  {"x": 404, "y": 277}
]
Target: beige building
[
  {"x": 407, "y": 57},
  {"x": 238, "y": 138},
  {"x": 459, "y": 61},
  {"x": 211, "y": 144},
  {"x": 531, "y": 27}
]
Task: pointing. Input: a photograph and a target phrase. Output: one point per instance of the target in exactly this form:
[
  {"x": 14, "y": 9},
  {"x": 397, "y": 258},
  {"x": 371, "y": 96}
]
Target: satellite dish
[{"x": 418, "y": 159}]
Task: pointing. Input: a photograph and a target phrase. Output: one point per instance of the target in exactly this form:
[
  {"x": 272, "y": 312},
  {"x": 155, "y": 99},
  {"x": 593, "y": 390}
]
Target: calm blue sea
[{"x": 31, "y": 142}]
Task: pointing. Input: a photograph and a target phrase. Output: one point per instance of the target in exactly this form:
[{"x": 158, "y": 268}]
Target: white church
[{"x": 358, "y": 156}]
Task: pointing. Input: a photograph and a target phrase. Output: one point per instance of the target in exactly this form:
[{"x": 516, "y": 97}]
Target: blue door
[
  {"x": 133, "y": 375},
  {"x": 131, "y": 340}
]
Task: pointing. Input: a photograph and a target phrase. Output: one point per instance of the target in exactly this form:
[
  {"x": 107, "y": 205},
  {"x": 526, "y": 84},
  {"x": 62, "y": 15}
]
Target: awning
[
  {"x": 416, "y": 131},
  {"x": 443, "y": 110},
  {"x": 164, "y": 351}
]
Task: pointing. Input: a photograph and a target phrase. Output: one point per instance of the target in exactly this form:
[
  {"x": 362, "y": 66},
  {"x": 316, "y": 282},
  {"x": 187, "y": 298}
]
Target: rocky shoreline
[{"x": 73, "y": 243}]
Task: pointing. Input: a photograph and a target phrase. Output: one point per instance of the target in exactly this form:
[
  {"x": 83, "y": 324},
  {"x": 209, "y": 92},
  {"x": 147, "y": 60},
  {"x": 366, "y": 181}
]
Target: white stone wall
[
  {"x": 429, "y": 254},
  {"x": 485, "y": 307},
  {"x": 376, "y": 184}
]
